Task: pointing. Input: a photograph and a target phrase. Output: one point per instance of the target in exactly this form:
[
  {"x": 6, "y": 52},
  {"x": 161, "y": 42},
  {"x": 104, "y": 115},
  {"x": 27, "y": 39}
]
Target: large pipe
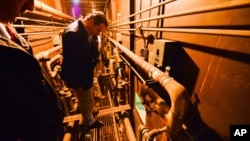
[
  {"x": 45, "y": 54},
  {"x": 39, "y": 6},
  {"x": 178, "y": 94},
  {"x": 129, "y": 130}
]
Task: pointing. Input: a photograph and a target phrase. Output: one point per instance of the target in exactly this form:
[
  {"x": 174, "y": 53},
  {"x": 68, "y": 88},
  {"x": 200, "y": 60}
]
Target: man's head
[
  {"x": 10, "y": 9},
  {"x": 95, "y": 23}
]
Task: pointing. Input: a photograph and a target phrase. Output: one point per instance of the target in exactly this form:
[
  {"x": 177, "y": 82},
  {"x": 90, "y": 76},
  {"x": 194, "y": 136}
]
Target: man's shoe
[
  {"x": 96, "y": 124},
  {"x": 95, "y": 112}
]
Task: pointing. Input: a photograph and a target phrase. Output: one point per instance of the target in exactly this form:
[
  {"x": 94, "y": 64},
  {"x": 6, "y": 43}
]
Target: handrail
[{"x": 178, "y": 94}]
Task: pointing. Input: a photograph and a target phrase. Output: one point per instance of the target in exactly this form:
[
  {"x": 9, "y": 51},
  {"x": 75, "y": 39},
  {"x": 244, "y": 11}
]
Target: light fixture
[{"x": 76, "y": 1}]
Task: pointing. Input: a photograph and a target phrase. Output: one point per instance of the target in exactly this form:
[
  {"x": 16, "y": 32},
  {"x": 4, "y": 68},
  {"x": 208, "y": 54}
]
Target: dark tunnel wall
[{"x": 213, "y": 67}]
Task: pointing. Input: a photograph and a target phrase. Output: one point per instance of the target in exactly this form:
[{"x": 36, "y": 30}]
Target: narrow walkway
[{"x": 109, "y": 116}]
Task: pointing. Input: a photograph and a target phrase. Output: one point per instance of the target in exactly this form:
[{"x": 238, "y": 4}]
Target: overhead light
[{"x": 76, "y": 1}]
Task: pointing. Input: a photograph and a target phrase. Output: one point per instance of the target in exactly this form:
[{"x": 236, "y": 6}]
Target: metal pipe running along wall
[
  {"x": 178, "y": 94},
  {"x": 202, "y": 9},
  {"x": 39, "y": 6}
]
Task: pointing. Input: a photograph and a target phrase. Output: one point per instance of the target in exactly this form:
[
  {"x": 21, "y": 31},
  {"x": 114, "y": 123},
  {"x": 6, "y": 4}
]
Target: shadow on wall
[
  {"x": 230, "y": 83},
  {"x": 197, "y": 130},
  {"x": 237, "y": 56},
  {"x": 183, "y": 69}
]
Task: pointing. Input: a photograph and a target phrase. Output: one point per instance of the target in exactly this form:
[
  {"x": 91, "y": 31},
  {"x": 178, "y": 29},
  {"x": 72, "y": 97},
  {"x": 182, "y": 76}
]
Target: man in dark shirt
[{"x": 79, "y": 60}]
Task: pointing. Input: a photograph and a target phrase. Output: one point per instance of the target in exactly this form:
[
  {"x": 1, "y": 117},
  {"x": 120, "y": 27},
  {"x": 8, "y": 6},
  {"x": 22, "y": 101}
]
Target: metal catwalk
[{"x": 113, "y": 129}]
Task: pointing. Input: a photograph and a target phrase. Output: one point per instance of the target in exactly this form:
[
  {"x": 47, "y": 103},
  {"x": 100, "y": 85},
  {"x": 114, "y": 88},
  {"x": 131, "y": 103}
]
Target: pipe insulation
[{"x": 40, "y": 6}]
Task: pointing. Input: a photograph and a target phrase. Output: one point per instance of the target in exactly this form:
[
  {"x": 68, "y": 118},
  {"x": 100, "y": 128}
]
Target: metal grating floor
[
  {"x": 106, "y": 133},
  {"x": 109, "y": 131}
]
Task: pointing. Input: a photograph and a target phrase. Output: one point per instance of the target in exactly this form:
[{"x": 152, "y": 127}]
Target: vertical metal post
[{"x": 131, "y": 74}]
